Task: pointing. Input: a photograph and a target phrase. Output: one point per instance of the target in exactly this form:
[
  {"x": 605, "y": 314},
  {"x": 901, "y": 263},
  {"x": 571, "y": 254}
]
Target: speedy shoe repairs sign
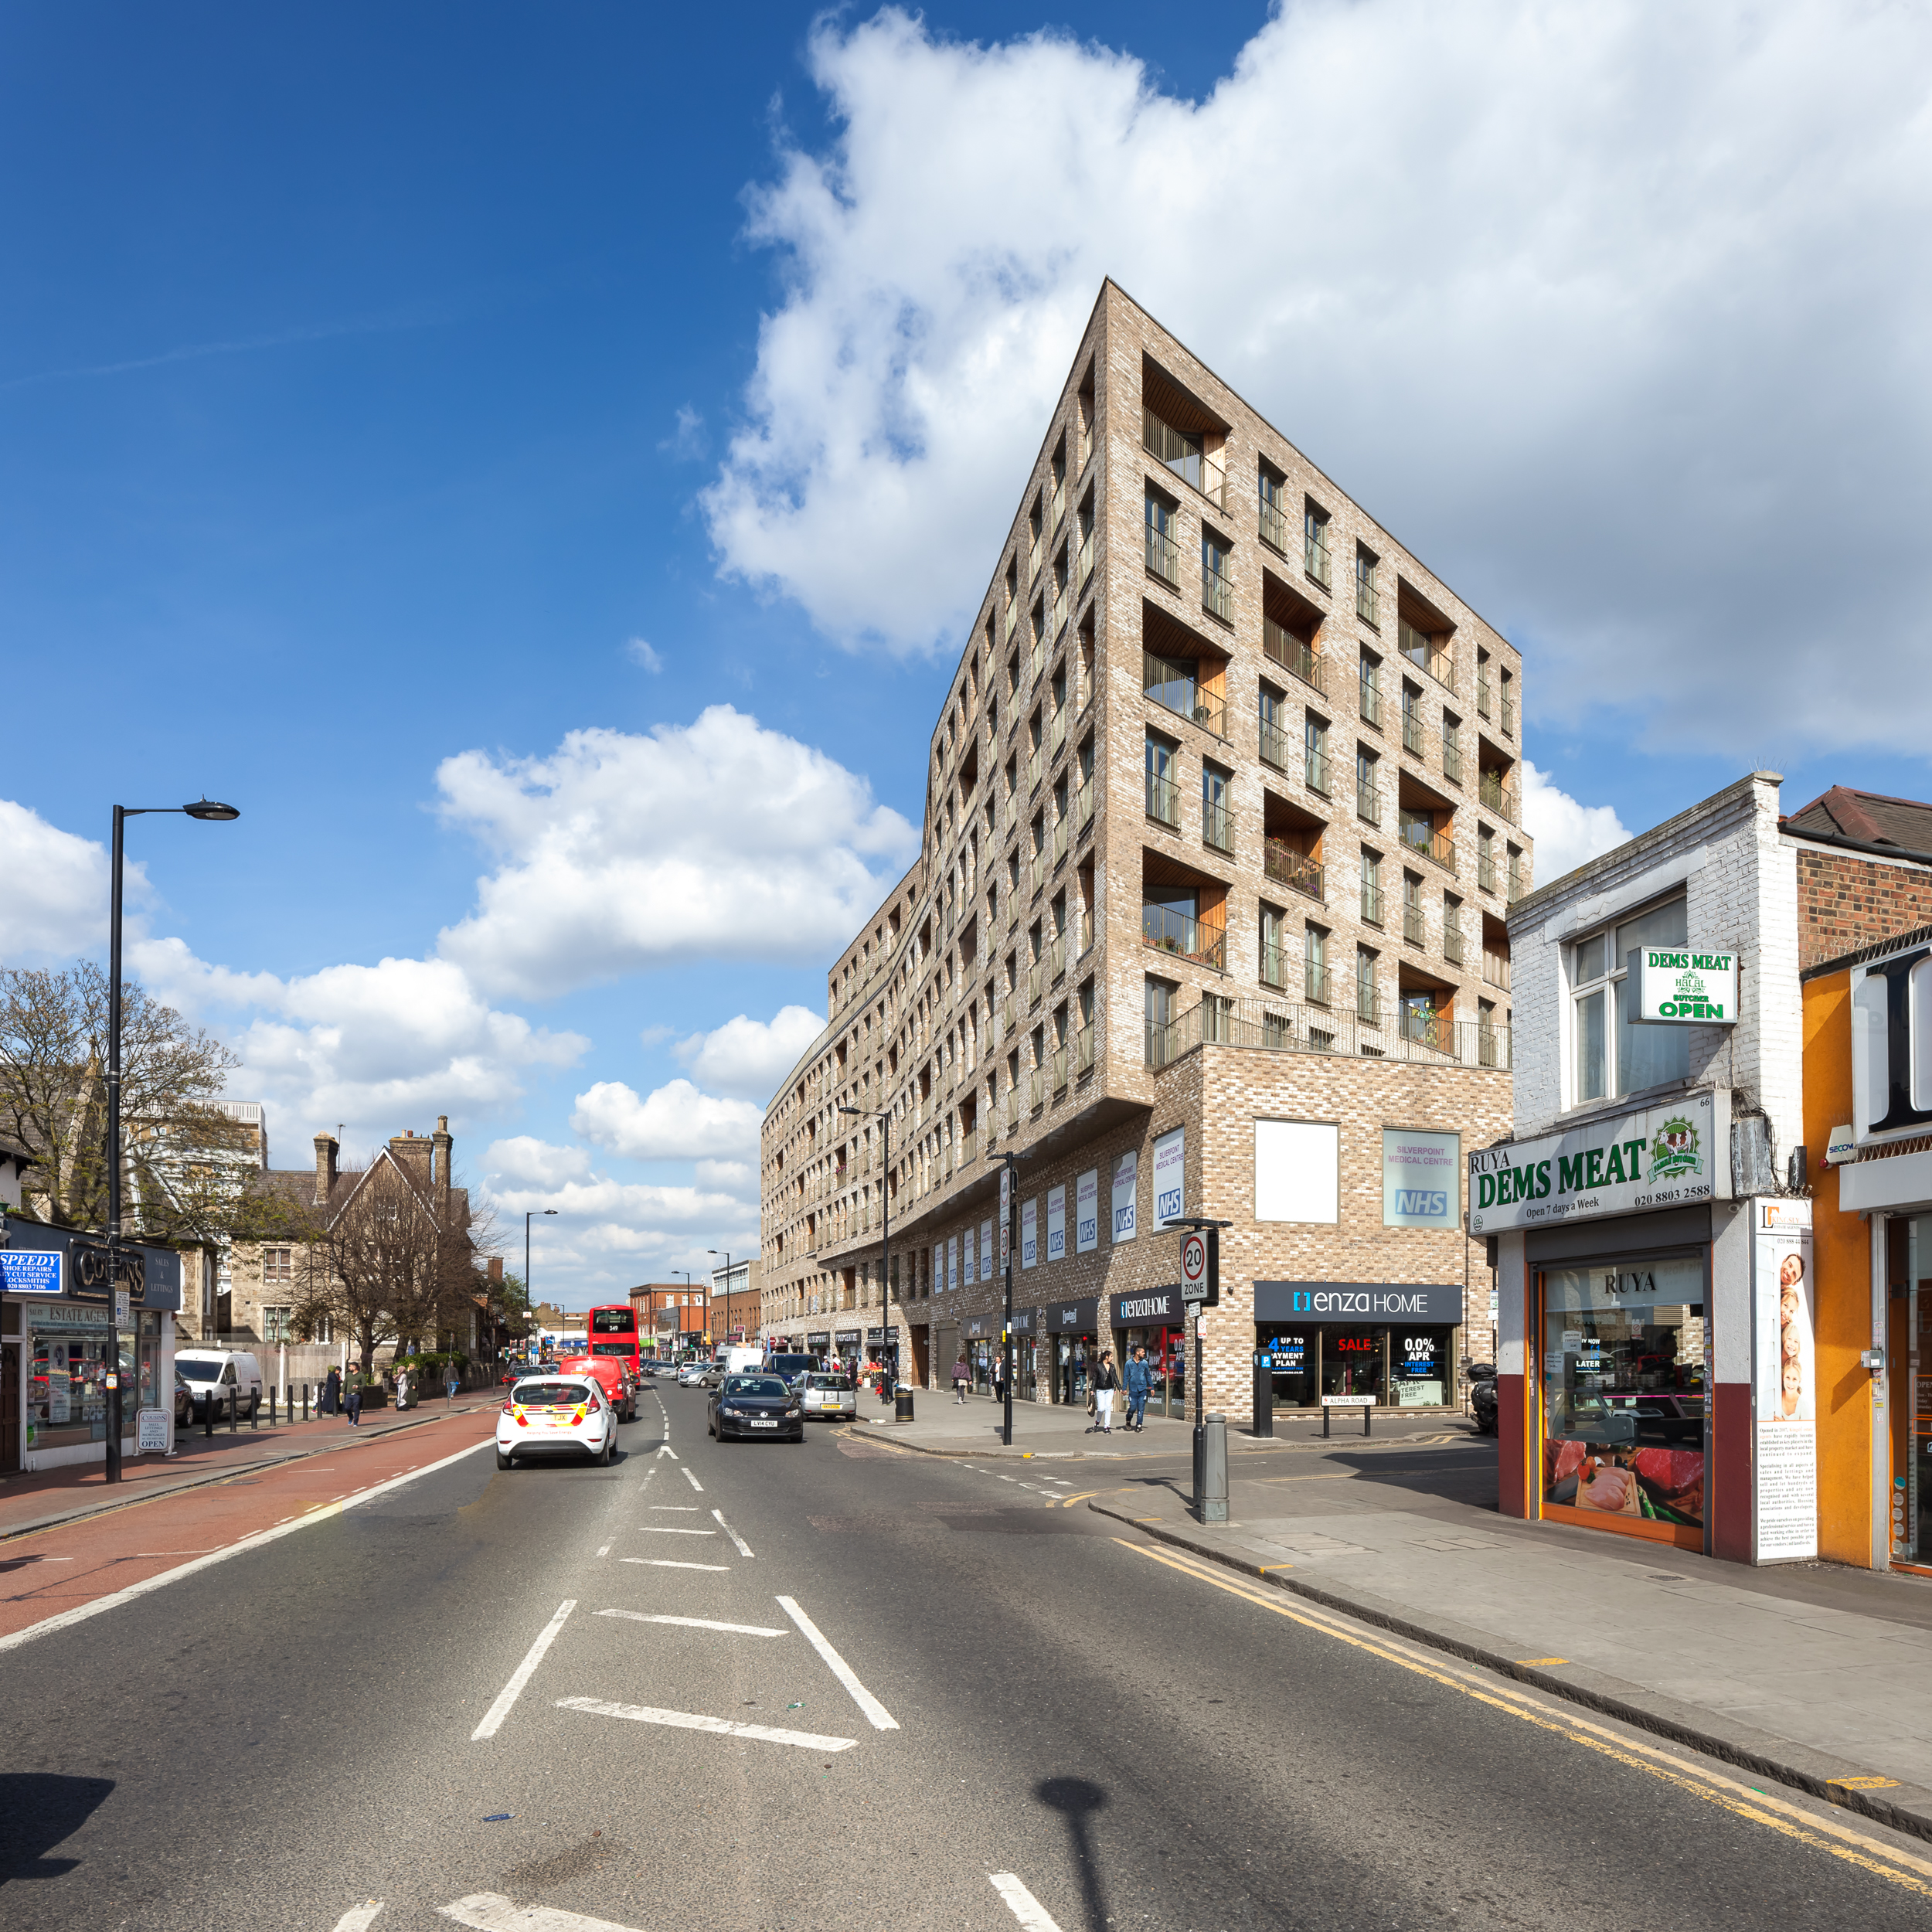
[{"x": 1664, "y": 1157}]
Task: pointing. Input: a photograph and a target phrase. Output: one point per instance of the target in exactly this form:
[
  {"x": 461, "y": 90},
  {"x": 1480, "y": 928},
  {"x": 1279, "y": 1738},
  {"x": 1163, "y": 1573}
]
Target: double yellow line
[{"x": 1871, "y": 1854}]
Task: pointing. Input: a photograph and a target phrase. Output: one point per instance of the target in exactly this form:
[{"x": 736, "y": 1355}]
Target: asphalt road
[{"x": 947, "y": 1675}]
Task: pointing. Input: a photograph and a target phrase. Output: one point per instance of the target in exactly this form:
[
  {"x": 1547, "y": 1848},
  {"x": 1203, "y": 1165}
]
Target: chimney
[
  {"x": 325, "y": 1152},
  {"x": 440, "y": 1161},
  {"x": 413, "y": 1155},
  {"x": 496, "y": 1270}
]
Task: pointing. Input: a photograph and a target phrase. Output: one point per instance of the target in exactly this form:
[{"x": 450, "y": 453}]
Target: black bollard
[
  {"x": 233, "y": 1406},
  {"x": 208, "y": 1414},
  {"x": 271, "y": 1405}
]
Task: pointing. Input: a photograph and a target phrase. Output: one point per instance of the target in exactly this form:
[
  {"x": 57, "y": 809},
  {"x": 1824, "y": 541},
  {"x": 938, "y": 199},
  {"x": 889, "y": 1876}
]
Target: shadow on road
[
  {"x": 1076, "y": 1799},
  {"x": 39, "y": 1810}
]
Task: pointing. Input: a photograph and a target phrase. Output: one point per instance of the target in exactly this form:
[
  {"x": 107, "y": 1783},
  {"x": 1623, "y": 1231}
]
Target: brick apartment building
[{"x": 1222, "y": 828}]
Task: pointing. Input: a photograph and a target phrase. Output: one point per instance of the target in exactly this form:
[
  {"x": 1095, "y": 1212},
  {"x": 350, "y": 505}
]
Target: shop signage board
[
  {"x": 1421, "y": 1179},
  {"x": 1030, "y": 1232},
  {"x": 1783, "y": 1385},
  {"x": 1681, "y": 986},
  {"x": 151, "y": 1431},
  {"x": 1660, "y": 1157},
  {"x": 1056, "y": 1223},
  {"x": 1147, "y": 1308},
  {"x": 1356, "y": 1302},
  {"x": 1347, "y": 1402},
  {"x": 1126, "y": 1181},
  {"x": 1892, "y": 1044},
  {"x": 31, "y": 1271},
  {"x": 1170, "y": 1186},
  {"x": 1086, "y": 1212},
  {"x": 986, "y": 1250}
]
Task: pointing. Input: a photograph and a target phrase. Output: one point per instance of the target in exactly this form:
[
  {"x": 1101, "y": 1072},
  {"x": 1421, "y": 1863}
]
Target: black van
[{"x": 793, "y": 1368}]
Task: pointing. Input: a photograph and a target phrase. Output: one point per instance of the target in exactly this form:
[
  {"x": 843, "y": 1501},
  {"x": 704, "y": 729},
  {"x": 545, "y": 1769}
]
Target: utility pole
[{"x": 1009, "y": 1164}]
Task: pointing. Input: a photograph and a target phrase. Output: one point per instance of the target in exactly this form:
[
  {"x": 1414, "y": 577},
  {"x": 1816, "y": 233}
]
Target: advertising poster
[
  {"x": 1005, "y": 1217},
  {"x": 986, "y": 1250},
  {"x": 1421, "y": 1179},
  {"x": 972, "y": 1256},
  {"x": 939, "y": 1267},
  {"x": 1086, "y": 1212},
  {"x": 1057, "y": 1224},
  {"x": 1126, "y": 1181},
  {"x": 1030, "y": 1232},
  {"x": 1170, "y": 1187},
  {"x": 952, "y": 1263},
  {"x": 1784, "y": 1385}
]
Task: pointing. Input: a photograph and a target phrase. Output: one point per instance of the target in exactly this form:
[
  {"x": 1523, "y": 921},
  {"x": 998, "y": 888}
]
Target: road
[{"x": 832, "y": 1685}]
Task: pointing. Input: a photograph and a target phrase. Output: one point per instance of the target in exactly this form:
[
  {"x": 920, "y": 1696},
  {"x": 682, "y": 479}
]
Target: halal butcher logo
[{"x": 1675, "y": 1150}]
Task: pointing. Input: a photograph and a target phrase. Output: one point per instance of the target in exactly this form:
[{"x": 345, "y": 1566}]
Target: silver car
[{"x": 830, "y": 1396}]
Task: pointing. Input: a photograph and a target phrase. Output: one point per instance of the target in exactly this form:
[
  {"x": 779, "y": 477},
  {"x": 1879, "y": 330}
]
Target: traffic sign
[{"x": 1194, "y": 1266}]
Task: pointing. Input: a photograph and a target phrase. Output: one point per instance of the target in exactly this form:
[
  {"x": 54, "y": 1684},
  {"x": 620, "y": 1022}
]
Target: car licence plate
[{"x": 760, "y": 1422}]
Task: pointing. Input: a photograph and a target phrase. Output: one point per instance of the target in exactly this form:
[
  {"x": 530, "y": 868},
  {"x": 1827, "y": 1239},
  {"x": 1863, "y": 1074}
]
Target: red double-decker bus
[{"x": 612, "y": 1330}]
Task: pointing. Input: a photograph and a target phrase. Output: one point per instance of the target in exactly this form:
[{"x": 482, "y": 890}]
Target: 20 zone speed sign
[{"x": 1194, "y": 1266}]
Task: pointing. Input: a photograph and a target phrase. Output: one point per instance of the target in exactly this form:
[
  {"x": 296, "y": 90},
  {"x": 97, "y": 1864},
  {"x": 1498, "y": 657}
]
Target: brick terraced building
[{"x": 1223, "y": 825}]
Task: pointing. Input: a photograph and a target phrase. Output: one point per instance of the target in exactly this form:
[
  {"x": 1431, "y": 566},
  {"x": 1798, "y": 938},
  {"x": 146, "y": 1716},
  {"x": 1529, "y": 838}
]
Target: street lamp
[
  {"x": 1009, "y": 1169},
  {"x": 682, "y": 1317},
  {"x": 527, "y": 1219},
  {"x": 889, "y": 1337},
  {"x": 207, "y": 809},
  {"x": 714, "y": 1294}
]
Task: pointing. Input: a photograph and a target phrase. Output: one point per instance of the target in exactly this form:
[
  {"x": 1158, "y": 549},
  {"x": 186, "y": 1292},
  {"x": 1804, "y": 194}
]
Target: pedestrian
[
  {"x": 1106, "y": 1381},
  {"x": 1140, "y": 1382},
  {"x": 352, "y": 1400},
  {"x": 455, "y": 1380},
  {"x": 999, "y": 1382},
  {"x": 401, "y": 1389},
  {"x": 961, "y": 1375},
  {"x": 331, "y": 1392}
]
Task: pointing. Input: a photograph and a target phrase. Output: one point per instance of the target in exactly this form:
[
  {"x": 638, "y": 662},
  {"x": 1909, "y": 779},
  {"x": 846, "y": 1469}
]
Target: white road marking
[
  {"x": 673, "y": 1529},
  {"x": 1022, "y": 1904},
  {"x": 744, "y": 1549},
  {"x": 491, "y": 1912},
  {"x": 321, "y": 1512},
  {"x": 359, "y": 1918},
  {"x": 719, "y": 1726},
  {"x": 605, "y": 1551},
  {"x": 664, "y": 1449},
  {"x": 691, "y": 1479},
  {"x": 880, "y": 1719},
  {"x": 696, "y": 1623},
  {"x": 676, "y": 1508},
  {"x": 493, "y": 1719},
  {"x": 669, "y": 1563}
]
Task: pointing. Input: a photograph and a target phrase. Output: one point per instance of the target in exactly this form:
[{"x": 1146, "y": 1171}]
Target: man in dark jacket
[
  {"x": 353, "y": 1401},
  {"x": 331, "y": 1392},
  {"x": 1139, "y": 1382}
]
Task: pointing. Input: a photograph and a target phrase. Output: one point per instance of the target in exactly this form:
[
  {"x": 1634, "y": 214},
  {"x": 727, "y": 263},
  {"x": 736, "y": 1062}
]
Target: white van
[{"x": 210, "y": 1373}]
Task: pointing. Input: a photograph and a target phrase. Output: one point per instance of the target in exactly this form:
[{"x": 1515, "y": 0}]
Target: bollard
[
  {"x": 304, "y": 1402},
  {"x": 233, "y": 1406},
  {"x": 208, "y": 1414},
  {"x": 1212, "y": 1497},
  {"x": 271, "y": 1405}
]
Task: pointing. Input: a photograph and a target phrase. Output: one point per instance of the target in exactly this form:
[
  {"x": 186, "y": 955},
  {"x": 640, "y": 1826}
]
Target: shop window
[{"x": 1613, "y": 1056}]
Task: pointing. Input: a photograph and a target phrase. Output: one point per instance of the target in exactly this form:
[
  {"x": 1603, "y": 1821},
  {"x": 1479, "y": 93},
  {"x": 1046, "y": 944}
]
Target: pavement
[
  {"x": 944, "y": 1426},
  {"x": 1816, "y": 1674}
]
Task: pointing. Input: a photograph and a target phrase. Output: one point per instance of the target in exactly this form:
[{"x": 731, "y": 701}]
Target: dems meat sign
[{"x": 1662, "y": 1158}]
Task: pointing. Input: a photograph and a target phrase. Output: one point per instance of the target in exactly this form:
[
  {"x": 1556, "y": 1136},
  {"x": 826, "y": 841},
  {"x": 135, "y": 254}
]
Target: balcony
[
  {"x": 1499, "y": 796},
  {"x": 1168, "y": 931},
  {"x": 1163, "y": 801},
  {"x": 1060, "y": 1069},
  {"x": 1486, "y": 872},
  {"x": 1279, "y": 1027},
  {"x": 1315, "y": 558},
  {"x": 1495, "y": 967},
  {"x": 1486, "y": 695},
  {"x": 1217, "y": 592},
  {"x": 1421, "y": 648},
  {"x": 1215, "y": 829},
  {"x": 1287, "y": 867},
  {"x": 1274, "y": 526},
  {"x": 1418, "y": 836},
  {"x": 1083, "y": 1052},
  {"x": 1368, "y": 800},
  {"x": 1164, "y": 557},
  {"x": 1412, "y": 927},
  {"x": 1412, "y": 731},
  {"x": 1314, "y": 770},
  {"x": 969, "y": 1146},
  {"x": 1452, "y": 946},
  {"x": 1273, "y": 964},
  {"x": 1293, "y": 654},
  {"x": 1370, "y": 694},
  {"x": 1509, "y": 717},
  {"x": 1372, "y": 902},
  {"x": 1315, "y": 985},
  {"x": 1010, "y": 1116},
  {"x": 1275, "y": 745},
  {"x": 1368, "y": 604},
  {"x": 1175, "y": 688},
  {"x": 1059, "y": 840},
  {"x": 1452, "y": 761}
]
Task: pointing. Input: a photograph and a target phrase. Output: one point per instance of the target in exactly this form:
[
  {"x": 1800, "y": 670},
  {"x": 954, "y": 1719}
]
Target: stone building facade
[{"x": 1222, "y": 828}]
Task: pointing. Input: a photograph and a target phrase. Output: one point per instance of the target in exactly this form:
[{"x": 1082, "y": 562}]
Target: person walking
[
  {"x": 353, "y": 1401},
  {"x": 1106, "y": 1382},
  {"x": 455, "y": 1383},
  {"x": 1140, "y": 1382},
  {"x": 961, "y": 1375},
  {"x": 331, "y": 1392}
]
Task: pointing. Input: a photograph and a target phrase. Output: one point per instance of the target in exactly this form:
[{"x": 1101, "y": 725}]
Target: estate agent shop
[{"x": 59, "y": 1341}]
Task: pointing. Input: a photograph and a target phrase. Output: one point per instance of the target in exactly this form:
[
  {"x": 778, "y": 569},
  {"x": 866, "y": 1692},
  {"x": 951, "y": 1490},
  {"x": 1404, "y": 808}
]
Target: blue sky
[{"x": 370, "y": 379}]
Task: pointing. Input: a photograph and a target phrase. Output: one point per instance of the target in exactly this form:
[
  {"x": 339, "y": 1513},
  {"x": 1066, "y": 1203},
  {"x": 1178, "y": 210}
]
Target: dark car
[
  {"x": 793, "y": 1369},
  {"x": 184, "y": 1400},
  {"x": 755, "y": 1405},
  {"x": 1482, "y": 1397}
]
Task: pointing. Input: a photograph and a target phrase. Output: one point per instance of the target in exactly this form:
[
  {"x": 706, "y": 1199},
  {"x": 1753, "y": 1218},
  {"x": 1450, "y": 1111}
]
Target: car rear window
[
  {"x": 768, "y": 1386},
  {"x": 549, "y": 1394},
  {"x": 828, "y": 1382}
]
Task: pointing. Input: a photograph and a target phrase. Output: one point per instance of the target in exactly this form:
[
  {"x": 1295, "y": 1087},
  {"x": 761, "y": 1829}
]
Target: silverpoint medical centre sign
[{"x": 1662, "y": 1157}]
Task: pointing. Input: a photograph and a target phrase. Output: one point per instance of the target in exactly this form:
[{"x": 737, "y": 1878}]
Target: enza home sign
[{"x": 1682, "y": 986}]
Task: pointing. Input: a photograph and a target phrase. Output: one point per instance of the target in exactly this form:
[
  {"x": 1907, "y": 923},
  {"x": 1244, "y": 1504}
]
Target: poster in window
[
  {"x": 972, "y": 1255},
  {"x": 1030, "y": 1232},
  {"x": 1784, "y": 1385},
  {"x": 1170, "y": 1185},
  {"x": 1126, "y": 1180},
  {"x": 1056, "y": 1223},
  {"x": 952, "y": 1263},
  {"x": 986, "y": 1250},
  {"x": 1086, "y": 1212}
]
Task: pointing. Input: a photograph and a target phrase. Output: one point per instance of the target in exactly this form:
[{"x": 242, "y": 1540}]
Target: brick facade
[{"x": 1845, "y": 902}]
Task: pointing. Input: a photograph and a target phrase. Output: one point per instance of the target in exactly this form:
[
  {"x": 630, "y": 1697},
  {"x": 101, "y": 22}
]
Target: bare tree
[{"x": 179, "y": 1174}]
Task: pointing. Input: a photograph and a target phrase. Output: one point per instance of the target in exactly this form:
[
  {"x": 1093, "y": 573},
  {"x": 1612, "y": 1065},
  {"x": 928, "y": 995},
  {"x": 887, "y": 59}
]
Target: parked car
[
  {"x": 561, "y": 1415},
  {"x": 755, "y": 1405},
  {"x": 1482, "y": 1397},
  {"x": 184, "y": 1399},
  {"x": 831, "y": 1396},
  {"x": 213, "y": 1372}
]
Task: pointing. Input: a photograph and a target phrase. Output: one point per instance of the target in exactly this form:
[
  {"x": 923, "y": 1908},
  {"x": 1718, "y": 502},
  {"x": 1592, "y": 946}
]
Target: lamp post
[
  {"x": 686, "y": 1274},
  {"x": 715, "y": 1335},
  {"x": 527, "y": 1219},
  {"x": 208, "y": 811},
  {"x": 889, "y": 1365},
  {"x": 1009, "y": 1169}
]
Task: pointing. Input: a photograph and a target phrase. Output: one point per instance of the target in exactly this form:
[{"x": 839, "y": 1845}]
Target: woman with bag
[
  {"x": 961, "y": 1375},
  {"x": 1106, "y": 1381}
]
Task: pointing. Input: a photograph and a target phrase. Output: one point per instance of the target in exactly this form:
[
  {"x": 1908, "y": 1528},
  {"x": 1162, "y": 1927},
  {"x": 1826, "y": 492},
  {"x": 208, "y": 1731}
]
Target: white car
[
  {"x": 691, "y": 1374},
  {"x": 556, "y": 1416},
  {"x": 830, "y": 1396}
]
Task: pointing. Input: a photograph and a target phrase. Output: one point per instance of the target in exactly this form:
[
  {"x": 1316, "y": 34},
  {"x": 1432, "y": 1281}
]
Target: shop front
[
  {"x": 1072, "y": 1349},
  {"x": 818, "y": 1343},
  {"x": 1154, "y": 1319},
  {"x": 1396, "y": 1342},
  {"x": 979, "y": 1335},
  {"x": 846, "y": 1347},
  {"x": 1027, "y": 1331}
]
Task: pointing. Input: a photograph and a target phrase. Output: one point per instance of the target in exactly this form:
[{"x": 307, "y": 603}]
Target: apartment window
[
  {"x": 1368, "y": 604},
  {"x": 278, "y": 1324},
  {"x": 1315, "y": 955},
  {"x": 1485, "y": 859},
  {"x": 1371, "y": 687},
  {"x": 1366, "y": 1008},
  {"x": 1178, "y": 449},
  {"x": 1274, "y": 736},
  {"x": 1316, "y": 749},
  {"x": 1518, "y": 884},
  {"x": 1163, "y": 547},
  {"x": 1272, "y": 960},
  {"x": 1451, "y": 749},
  {"x": 1368, "y": 798},
  {"x": 1217, "y": 577},
  {"x": 1158, "y": 1017},
  {"x": 277, "y": 1265},
  {"x": 1371, "y": 887},
  {"x": 1163, "y": 798},
  {"x": 1273, "y": 520},
  {"x": 1412, "y": 925},
  {"x": 1216, "y": 827},
  {"x": 1612, "y": 1056},
  {"x": 1314, "y": 543},
  {"x": 1452, "y": 947},
  {"x": 1411, "y": 719}
]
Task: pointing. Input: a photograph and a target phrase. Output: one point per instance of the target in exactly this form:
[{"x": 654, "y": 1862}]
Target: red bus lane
[{"x": 51, "y": 1577}]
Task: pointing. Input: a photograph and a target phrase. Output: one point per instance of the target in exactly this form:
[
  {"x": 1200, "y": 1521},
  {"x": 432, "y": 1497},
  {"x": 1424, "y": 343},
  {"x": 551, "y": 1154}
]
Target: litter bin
[{"x": 902, "y": 1403}]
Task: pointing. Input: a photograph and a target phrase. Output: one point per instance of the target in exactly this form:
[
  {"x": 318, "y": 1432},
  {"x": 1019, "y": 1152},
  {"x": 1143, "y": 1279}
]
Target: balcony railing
[
  {"x": 1168, "y": 931},
  {"x": 1368, "y": 605},
  {"x": 1314, "y": 560},
  {"x": 1418, "y": 836},
  {"x": 1163, "y": 801},
  {"x": 1371, "y": 696},
  {"x": 1452, "y": 947},
  {"x": 1452, "y": 761},
  {"x": 1486, "y": 872},
  {"x": 1173, "y": 686},
  {"x": 1412, "y": 927},
  {"x": 1368, "y": 800},
  {"x": 1496, "y": 968},
  {"x": 1509, "y": 717},
  {"x": 1164, "y": 557},
  {"x": 1420, "y": 648},
  {"x": 1499, "y": 797},
  {"x": 1282, "y": 1027},
  {"x": 1060, "y": 1069},
  {"x": 1275, "y": 745},
  {"x": 1032, "y": 768},
  {"x": 1083, "y": 1052},
  {"x": 1412, "y": 731},
  {"x": 1056, "y": 733},
  {"x": 1058, "y": 507},
  {"x": 1372, "y": 902},
  {"x": 1293, "y": 654},
  {"x": 1315, "y": 985},
  {"x": 1485, "y": 696},
  {"x": 1036, "y": 1089},
  {"x": 969, "y": 1146},
  {"x": 1083, "y": 807},
  {"x": 1059, "y": 838},
  {"x": 1273, "y": 964},
  {"x": 1367, "y": 1007},
  {"x": 1085, "y": 568},
  {"x": 1033, "y": 981},
  {"x": 1274, "y": 526},
  {"x": 1215, "y": 829},
  {"x": 1056, "y": 956},
  {"x": 1282, "y": 862},
  {"x": 1010, "y": 1014},
  {"x": 1517, "y": 888},
  {"x": 1315, "y": 769},
  {"x": 1217, "y": 592}
]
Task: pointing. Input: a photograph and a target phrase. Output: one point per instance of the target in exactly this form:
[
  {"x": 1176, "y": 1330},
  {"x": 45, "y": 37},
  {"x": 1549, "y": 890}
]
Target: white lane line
[
  {"x": 674, "y": 1530},
  {"x": 696, "y": 1623},
  {"x": 669, "y": 1563},
  {"x": 491, "y": 1912},
  {"x": 691, "y": 1479},
  {"x": 664, "y": 1449},
  {"x": 880, "y": 1719},
  {"x": 605, "y": 1551},
  {"x": 718, "y": 1726},
  {"x": 321, "y": 1512},
  {"x": 493, "y": 1718},
  {"x": 676, "y": 1508},
  {"x": 359, "y": 1918},
  {"x": 744, "y": 1549},
  {"x": 1024, "y": 1906}
]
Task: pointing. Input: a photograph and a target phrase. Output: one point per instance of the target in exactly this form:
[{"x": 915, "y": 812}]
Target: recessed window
[{"x": 1612, "y": 1056}]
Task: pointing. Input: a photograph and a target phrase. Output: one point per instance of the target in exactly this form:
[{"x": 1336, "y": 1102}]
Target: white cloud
[
  {"x": 53, "y": 891},
  {"x": 673, "y": 1122},
  {"x": 748, "y": 1057},
  {"x": 621, "y": 852},
  {"x": 641, "y": 653},
  {"x": 526, "y": 1160},
  {"x": 1608, "y": 312},
  {"x": 730, "y": 1177},
  {"x": 688, "y": 441},
  {"x": 1567, "y": 834}
]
